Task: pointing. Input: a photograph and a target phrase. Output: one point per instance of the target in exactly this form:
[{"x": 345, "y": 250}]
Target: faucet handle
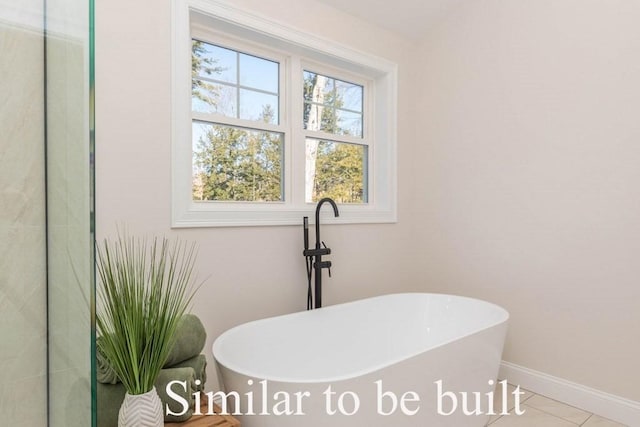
[
  {"x": 328, "y": 263},
  {"x": 323, "y": 264}
]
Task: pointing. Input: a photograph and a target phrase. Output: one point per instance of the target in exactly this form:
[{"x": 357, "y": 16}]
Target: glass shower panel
[
  {"x": 70, "y": 246},
  {"x": 23, "y": 320},
  {"x": 46, "y": 206}
]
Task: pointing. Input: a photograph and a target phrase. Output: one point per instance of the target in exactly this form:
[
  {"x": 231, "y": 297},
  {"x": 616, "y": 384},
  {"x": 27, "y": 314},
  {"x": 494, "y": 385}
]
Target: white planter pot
[{"x": 141, "y": 410}]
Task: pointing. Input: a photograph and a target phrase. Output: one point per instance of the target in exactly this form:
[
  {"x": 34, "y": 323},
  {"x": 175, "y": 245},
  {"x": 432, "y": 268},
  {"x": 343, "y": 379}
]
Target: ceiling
[{"x": 408, "y": 18}]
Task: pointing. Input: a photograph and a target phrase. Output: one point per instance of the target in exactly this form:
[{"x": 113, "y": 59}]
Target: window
[
  {"x": 335, "y": 164},
  {"x": 236, "y": 134},
  {"x": 268, "y": 120}
]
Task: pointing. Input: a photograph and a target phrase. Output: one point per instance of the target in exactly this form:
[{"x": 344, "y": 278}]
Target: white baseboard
[{"x": 604, "y": 404}]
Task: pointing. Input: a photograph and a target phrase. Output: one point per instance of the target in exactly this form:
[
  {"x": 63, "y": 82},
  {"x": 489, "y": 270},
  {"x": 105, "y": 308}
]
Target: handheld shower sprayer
[{"x": 308, "y": 261}]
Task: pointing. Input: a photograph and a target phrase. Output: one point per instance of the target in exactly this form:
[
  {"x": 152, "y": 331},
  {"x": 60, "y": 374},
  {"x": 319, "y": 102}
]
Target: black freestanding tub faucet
[{"x": 314, "y": 256}]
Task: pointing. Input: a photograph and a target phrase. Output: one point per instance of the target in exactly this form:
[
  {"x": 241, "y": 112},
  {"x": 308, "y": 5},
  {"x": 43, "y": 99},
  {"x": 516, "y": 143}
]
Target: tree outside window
[{"x": 237, "y": 155}]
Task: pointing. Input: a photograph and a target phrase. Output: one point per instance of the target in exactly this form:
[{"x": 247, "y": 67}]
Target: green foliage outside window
[
  {"x": 339, "y": 172},
  {"x": 232, "y": 163},
  {"x": 235, "y": 164}
]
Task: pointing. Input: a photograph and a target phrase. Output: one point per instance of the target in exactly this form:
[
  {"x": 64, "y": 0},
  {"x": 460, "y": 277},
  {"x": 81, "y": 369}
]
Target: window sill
[{"x": 244, "y": 215}]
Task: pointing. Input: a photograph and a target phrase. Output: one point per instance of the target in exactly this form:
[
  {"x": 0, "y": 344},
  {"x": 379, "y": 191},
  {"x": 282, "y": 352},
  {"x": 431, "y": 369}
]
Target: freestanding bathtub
[{"x": 393, "y": 360}]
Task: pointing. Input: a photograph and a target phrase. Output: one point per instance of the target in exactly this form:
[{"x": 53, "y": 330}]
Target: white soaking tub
[{"x": 400, "y": 359}]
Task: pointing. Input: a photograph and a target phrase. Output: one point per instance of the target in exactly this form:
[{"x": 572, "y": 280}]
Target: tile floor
[{"x": 541, "y": 411}]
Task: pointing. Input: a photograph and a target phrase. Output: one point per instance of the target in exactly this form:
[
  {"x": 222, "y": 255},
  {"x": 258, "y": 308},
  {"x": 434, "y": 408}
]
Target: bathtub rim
[{"x": 218, "y": 342}]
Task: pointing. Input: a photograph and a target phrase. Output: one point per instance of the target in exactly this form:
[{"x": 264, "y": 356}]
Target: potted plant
[{"x": 145, "y": 288}]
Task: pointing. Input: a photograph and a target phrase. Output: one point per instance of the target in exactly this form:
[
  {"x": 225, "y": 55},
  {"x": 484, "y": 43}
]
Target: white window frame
[{"x": 299, "y": 51}]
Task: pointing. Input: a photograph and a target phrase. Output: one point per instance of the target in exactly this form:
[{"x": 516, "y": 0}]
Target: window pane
[
  {"x": 236, "y": 164},
  {"x": 336, "y": 170},
  {"x": 214, "y": 98},
  {"x": 349, "y": 95},
  {"x": 313, "y": 116},
  {"x": 258, "y": 106},
  {"x": 258, "y": 73},
  {"x": 348, "y": 123},
  {"x": 214, "y": 62},
  {"x": 332, "y": 106},
  {"x": 332, "y": 120},
  {"x": 235, "y": 84},
  {"x": 318, "y": 89}
]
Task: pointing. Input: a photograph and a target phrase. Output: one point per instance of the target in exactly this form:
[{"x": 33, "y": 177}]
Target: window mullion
[
  {"x": 294, "y": 117},
  {"x": 328, "y": 106},
  {"x": 231, "y": 121},
  {"x": 335, "y": 137},
  {"x": 238, "y": 84},
  {"x": 225, "y": 83}
]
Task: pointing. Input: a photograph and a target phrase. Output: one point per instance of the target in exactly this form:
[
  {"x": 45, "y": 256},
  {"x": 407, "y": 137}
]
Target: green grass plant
[{"x": 145, "y": 288}]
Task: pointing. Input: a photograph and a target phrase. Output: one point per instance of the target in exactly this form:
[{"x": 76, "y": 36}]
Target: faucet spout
[{"x": 335, "y": 213}]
